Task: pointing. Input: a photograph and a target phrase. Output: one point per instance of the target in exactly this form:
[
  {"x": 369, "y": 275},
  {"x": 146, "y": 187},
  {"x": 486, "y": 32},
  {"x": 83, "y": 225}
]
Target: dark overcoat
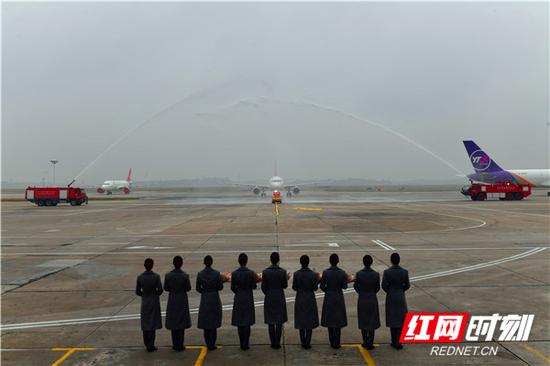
[
  {"x": 177, "y": 310},
  {"x": 334, "y": 280},
  {"x": 395, "y": 282},
  {"x": 209, "y": 283},
  {"x": 367, "y": 284},
  {"x": 305, "y": 283},
  {"x": 243, "y": 281},
  {"x": 274, "y": 282},
  {"x": 149, "y": 287}
]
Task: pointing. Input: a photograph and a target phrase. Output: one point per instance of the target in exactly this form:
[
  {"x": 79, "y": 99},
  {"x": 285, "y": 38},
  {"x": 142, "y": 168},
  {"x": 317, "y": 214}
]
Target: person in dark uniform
[
  {"x": 395, "y": 282},
  {"x": 149, "y": 287},
  {"x": 178, "y": 319},
  {"x": 243, "y": 281},
  {"x": 274, "y": 281},
  {"x": 209, "y": 284},
  {"x": 305, "y": 282},
  {"x": 367, "y": 284},
  {"x": 333, "y": 316}
]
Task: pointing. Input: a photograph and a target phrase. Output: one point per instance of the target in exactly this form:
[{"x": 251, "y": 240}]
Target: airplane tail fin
[
  {"x": 481, "y": 161},
  {"x": 129, "y": 179}
]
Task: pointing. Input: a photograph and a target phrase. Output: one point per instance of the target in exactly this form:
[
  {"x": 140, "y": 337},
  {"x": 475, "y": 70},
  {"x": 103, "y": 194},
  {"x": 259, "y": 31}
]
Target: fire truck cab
[{"x": 276, "y": 198}]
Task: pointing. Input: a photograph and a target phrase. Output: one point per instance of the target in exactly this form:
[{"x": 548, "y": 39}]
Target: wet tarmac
[{"x": 68, "y": 273}]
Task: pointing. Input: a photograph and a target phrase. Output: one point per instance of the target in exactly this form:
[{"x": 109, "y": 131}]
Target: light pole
[{"x": 53, "y": 163}]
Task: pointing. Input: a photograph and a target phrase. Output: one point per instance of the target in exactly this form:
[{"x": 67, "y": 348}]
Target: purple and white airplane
[{"x": 488, "y": 171}]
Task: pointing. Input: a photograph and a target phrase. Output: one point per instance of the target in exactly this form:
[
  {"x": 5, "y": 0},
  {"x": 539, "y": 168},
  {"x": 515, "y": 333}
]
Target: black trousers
[
  {"x": 334, "y": 337},
  {"x": 305, "y": 337},
  {"x": 244, "y": 336},
  {"x": 368, "y": 337},
  {"x": 178, "y": 336},
  {"x": 395, "y": 334},
  {"x": 149, "y": 339},
  {"x": 275, "y": 333},
  {"x": 210, "y": 336}
]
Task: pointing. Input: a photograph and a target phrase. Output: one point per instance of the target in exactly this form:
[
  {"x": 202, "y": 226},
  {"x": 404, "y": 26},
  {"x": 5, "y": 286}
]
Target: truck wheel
[
  {"x": 482, "y": 196},
  {"x": 48, "y": 203},
  {"x": 40, "y": 203},
  {"x": 518, "y": 196},
  {"x": 73, "y": 203}
]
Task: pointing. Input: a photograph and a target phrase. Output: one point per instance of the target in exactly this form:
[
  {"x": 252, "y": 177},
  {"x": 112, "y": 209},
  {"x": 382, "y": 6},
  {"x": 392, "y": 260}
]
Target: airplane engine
[
  {"x": 256, "y": 190},
  {"x": 126, "y": 190},
  {"x": 100, "y": 190},
  {"x": 295, "y": 190}
]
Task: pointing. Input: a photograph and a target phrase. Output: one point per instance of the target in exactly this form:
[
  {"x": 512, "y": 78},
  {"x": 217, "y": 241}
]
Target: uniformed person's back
[
  {"x": 367, "y": 284},
  {"x": 306, "y": 318},
  {"x": 209, "y": 283},
  {"x": 149, "y": 288},
  {"x": 243, "y": 282},
  {"x": 395, "y": 282},
  {"x": 177, "y": 283},
  {"x": 274, "y": 282},
  {"x": 334, "y": 316}
]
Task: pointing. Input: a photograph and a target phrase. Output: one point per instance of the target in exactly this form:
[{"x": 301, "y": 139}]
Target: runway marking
[
  {"x": 202, "y": 355},
  {"x": 233, "y": 251},
  {"x": 305, "y": 208},
  {"x": 52, "y": 231},
  {"x": 68, "y": 354},
  {"x": 479, "y": 266},
  {"x": 492, "y": 209},
  {"x": 55, "y": 323},
  {"x": 537, "y": 353},
  {"x": 147, "y": 247},
  {"x": 383, "y": 245},
  {"x": 277, "y": 212},
  {"x": 332, "y": 245},
  {"x": 366, "y": 355}
]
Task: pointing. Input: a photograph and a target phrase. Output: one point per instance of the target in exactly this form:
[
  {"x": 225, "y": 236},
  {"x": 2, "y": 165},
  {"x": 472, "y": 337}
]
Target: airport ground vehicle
[
  {"x": 51, "y": 196},
  {"x": 502, "y": 191},
  {"x": 276, "y": 198}
]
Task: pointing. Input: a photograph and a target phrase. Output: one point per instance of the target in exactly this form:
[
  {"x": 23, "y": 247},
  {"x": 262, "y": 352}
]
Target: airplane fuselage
[{"x": 276, "y": 183}]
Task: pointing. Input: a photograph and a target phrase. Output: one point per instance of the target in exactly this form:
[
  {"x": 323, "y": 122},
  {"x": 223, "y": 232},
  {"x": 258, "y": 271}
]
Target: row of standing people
[{"x": 274, "y": 280}]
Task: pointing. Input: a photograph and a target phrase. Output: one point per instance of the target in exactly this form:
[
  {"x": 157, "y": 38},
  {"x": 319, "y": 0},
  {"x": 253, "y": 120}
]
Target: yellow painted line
[
  {"x": 536, "y": 353},
  {"x": 202, "y": 355},
  {"x": 306, "y": 208},
  {"x": 277, "y": 209},
  {"x": 366, "y": 355},
  {"x": 68, "y": 354}
]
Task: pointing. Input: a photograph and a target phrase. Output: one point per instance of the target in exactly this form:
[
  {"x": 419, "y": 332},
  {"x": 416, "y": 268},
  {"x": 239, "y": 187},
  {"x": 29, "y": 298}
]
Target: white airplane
[
  {"x": 276, "y": 183},
  {"x": 110, "y": 186},
  {"x": 488, "y": 171}
]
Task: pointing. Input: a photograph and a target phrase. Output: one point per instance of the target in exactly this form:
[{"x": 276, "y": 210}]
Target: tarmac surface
[{"x": 68, "y": 273}]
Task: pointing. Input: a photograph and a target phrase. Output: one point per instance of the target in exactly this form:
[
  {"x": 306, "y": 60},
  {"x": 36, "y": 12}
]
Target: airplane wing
[
  {"x": 290, "y": 186},
  {"x": 251, "y": 185}
]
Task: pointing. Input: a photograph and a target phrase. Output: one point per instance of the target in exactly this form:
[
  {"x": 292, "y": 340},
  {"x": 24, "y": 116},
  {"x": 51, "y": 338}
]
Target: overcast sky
[{"x": 234, "y": 88}]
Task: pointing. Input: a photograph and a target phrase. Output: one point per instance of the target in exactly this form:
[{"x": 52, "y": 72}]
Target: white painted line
[
  {"x": 52, "y": 231},
  {"x": 101, "y": 319},
  {"x": 233, "y": 251},
  {"x": 333, "y": 245},
  {"x": 383, "y": 245},
  {"x": 137, "y": 247}
]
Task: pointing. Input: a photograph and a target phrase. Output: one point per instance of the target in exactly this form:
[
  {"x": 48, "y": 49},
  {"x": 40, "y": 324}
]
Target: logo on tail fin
[
  {"x": 129, "y": 179},
  {"x": 480, "y": 160}
]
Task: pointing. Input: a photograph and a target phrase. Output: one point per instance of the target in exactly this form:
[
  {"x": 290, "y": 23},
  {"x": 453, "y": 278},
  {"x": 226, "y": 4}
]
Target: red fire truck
[
  {"x": 51, "y": 196},
  {"x": 502, "y": 191}
]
